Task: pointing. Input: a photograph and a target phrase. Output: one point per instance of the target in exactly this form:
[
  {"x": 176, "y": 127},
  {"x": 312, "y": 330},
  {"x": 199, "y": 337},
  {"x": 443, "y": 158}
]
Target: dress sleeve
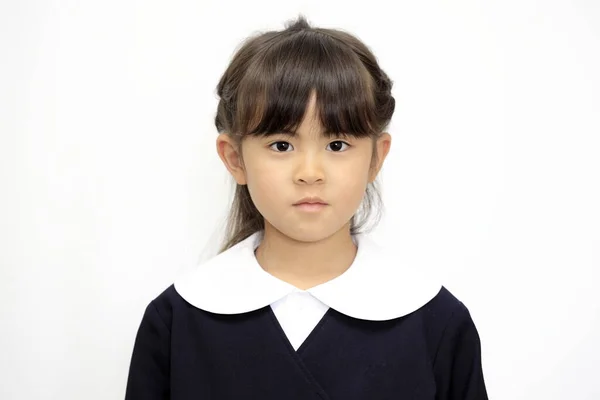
[
  {"x": 457, "y": 367},
  {"x": 149, "y": 369}
]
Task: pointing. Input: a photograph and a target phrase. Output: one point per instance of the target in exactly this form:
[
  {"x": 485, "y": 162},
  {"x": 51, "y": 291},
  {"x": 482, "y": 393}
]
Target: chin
[
  {"x": 307, "y": 237},
  {"x": 309, "y": 234}
]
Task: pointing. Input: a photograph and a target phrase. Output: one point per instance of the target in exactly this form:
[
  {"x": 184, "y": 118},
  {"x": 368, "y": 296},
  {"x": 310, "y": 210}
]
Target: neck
[{"x": 305, "y": 264}]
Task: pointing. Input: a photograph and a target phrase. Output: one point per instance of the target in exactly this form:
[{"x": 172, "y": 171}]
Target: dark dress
[{"x": 184, "y": 353}]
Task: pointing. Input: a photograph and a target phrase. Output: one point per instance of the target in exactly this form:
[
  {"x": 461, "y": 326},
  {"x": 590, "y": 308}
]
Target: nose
[{"x": 309, "y": 170}]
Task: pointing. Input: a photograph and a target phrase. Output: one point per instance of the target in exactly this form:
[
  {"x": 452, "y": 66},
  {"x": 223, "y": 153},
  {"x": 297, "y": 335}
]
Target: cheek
[
  {"x": 352, "y": 187},
  {"x": 354, "y": 174},
  {"x": 265, "y": 183},
  {"x": 264, "y": 175}
]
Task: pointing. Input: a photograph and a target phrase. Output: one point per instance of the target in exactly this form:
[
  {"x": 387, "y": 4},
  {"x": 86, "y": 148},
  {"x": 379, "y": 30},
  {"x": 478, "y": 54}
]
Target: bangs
[{"x": 277, "y": 85}]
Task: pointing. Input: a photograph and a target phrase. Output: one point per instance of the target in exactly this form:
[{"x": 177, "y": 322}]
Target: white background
[{"x": 110, "y": 183}]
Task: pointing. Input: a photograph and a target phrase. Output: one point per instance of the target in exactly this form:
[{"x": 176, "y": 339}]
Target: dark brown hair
[{"x": 266, "y": 89}]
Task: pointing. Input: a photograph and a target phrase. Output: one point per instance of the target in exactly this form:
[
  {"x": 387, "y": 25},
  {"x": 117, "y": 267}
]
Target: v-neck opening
[
  {"x": 297, "y": 354},
  {"x": 312, "y": 334}
]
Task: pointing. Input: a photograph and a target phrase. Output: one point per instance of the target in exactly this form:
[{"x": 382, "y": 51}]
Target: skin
[{"x": 305, "y": 248}]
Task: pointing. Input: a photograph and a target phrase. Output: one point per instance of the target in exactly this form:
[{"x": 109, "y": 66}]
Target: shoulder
[
  {"x": 445, "y": 306},
  {"x": 455, "y": 348},
  {"x": 165, "y": 304},
  {"x": 446, "y": 321},
  {"x": 168, "y": 296}
]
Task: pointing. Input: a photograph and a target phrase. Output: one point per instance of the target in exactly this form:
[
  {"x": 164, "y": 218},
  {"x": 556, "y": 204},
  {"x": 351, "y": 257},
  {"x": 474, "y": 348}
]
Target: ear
[
  {"x": 230, "y": 155},
  {"x": 382, "y": 145}
]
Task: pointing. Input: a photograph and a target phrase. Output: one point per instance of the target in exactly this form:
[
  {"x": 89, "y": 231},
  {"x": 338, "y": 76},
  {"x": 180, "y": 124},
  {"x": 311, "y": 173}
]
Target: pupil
[
  {"x": 282, "y": 146},
  {"x": 335, "y": 146}
]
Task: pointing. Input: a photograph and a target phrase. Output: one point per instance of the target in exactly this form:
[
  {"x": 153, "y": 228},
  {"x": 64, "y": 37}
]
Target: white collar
[{"x": 375, "y": 287}]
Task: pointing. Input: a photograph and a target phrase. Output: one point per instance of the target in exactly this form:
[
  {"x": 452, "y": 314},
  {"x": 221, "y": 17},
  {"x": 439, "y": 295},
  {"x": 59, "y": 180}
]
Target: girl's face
[{"x": 280, "y": 170}]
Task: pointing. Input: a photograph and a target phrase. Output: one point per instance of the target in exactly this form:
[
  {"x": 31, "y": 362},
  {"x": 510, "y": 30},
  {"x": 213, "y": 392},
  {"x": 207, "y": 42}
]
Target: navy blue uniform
[{"x": 185, "y": 353}]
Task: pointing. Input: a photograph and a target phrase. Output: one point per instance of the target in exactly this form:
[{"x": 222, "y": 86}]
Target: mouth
[
  {"x": 311, "y": 204},
  {"x": 311, "y": 201},
  {"x": 310, "y": 207}
]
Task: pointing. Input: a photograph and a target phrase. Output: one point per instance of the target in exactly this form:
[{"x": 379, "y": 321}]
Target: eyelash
[{"x": 283, "y": 141}]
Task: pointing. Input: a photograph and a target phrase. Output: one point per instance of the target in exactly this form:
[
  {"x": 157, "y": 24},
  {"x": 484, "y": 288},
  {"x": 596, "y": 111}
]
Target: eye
[
  {"x": 338, "y": 146},
  {"x": 280, "y": 146}
]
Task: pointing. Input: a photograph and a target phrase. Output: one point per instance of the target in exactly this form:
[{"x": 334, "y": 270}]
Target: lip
[
  {"x": 310, "y": 204},
  {"x": 310, "y": 207},
  {"x": 311, "y": 200}
]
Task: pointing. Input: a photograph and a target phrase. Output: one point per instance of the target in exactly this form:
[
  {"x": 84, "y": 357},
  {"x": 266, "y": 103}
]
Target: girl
[{"x": 299, "y": 304}]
